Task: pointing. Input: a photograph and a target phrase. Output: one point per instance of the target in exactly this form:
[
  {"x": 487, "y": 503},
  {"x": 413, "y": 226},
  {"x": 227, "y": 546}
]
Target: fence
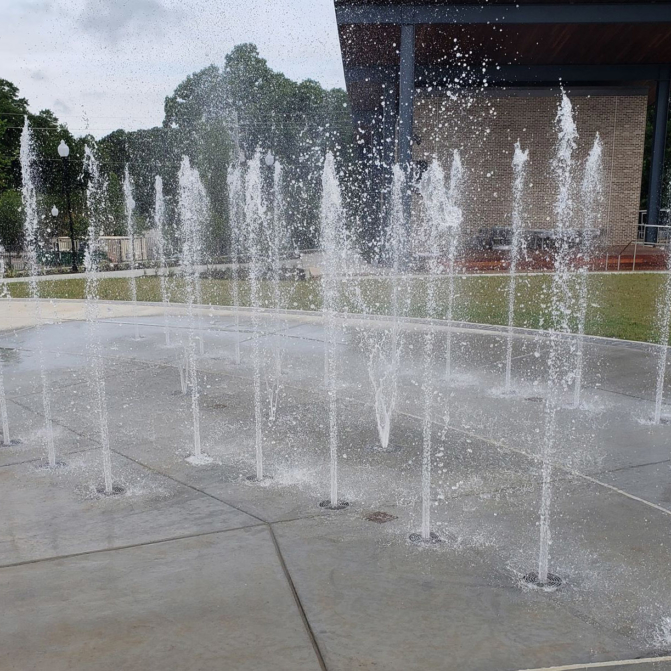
[
  {"x": 663, "y": 228},
  {"x": 116, "y": 249},
  {"x": 626, "y": 257},
  {"x": 13, "y": 258}
]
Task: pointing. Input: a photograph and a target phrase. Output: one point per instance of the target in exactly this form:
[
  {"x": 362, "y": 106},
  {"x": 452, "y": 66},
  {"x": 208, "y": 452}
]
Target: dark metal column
[
  {"x": 388, "y": 153},
  {"x": 406, "y": 102},
  {"x": 66, "y": 188},
  {"x": 374, "y": 224},
  {"x": 389, "y": 117},
  {"x": 657, "y": 158},
  {"x": 406, "y": 95}
]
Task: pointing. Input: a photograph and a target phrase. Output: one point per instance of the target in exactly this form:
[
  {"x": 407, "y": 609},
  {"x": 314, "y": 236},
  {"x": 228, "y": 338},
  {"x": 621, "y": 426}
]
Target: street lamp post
[
  {"x": 64, "y": 153},
  {"x": 54, "y": 214}
]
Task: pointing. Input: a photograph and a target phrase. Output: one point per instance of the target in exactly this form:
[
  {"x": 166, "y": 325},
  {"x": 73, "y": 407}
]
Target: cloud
[
  {"x": 112, "y": 19},
  {"x": 38, "y": 75},
  {"x": 61, "y": 107},
  {"x": 118, "y": 59},
  {"x": 31, "y": 6},
  {"x": 95, "y": 94}
]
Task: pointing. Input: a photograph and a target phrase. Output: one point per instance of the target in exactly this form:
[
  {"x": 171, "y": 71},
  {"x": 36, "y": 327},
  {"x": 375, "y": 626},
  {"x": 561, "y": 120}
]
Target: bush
[{"x": 11, "y": 218}]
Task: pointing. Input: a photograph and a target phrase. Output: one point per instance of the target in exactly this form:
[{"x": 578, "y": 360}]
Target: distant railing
[
  {"x": 13, "y": 258},
  {"x": 116, "y": 248},
  {"x": 500, "y": 238},
  {"x": 663, "y": 227},
  {"x": 663, "y": 239},
  {"x": 58, "y": 252}
]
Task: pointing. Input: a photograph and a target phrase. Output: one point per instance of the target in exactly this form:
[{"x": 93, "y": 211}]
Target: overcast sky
[{"x": 107, "y": 64}]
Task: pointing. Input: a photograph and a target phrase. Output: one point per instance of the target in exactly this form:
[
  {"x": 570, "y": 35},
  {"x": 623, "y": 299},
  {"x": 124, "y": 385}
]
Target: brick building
[{"x": 424, "y": 79}]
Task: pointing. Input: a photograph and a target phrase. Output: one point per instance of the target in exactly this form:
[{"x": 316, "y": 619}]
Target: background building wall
[{"x": 485, "y": 126}]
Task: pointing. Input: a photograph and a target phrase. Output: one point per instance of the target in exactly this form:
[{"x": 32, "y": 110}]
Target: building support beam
[
  {"x": 370, "y": 73},
  {"x": 520, "y": 75},
  {"x": 374, "y": 170},
  {"x": 406, "y": 104},
  {"x": 538, "y": 74},
  {"x": 387, "y": 154},
  {"x": 597, "y": 13},
  {"x": 389, "y": 118},
  {"x": 657, "y": 157}
]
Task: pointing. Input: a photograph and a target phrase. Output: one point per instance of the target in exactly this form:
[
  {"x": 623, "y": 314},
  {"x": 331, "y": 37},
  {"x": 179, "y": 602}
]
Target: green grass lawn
[{"x": 620, "y": 306}]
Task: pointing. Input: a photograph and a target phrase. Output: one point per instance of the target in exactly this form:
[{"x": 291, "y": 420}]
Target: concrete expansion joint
[
  {"x": 603, "y": 665},
  {"x": 129, "y": 546},
  {"x": 39, "y": 459},
  {"x": 556, "y": 466},
  {"x": 186, "y": 484},
  {"x": 276, "y": 545},
  {"x": 626, "y": 468},
  {"x": 297, "y": 599},
  {"x": 54, "y": 421}
]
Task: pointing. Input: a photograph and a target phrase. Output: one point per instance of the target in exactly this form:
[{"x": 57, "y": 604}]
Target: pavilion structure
[{"x": 614, "y": 57}]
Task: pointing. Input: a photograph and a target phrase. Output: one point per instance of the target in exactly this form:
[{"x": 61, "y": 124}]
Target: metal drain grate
[
  {"x": 532, "y": 579},
  {"x": 116, "y": 490},
  {"x": 215, "y": 402},
  {"x": 433, "y": 539},
  {"x": 341, "y": 505},
  {"x": 215, "y": 406},
  {"x": 380, "y": 517}
]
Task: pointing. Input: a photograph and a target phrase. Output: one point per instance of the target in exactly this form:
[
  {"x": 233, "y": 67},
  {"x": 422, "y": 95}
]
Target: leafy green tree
[
  {"x": 11, "y": 218},
  {"x": 47, "y": 133},
  {"x": 216, "y": 113},
  {"x": 12, "y": 110},
  {"x": 116, "y": 215},
  {"x": 212, "y": 116},
  {"x": 198, "y": 98}
]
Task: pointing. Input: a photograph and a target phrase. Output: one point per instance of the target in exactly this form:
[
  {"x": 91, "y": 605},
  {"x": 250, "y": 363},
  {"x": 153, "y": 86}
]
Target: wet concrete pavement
[{"x": 199, "y": 568}]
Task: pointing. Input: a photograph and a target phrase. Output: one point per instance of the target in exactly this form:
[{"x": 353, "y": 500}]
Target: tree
[
  {"x": 47, "y": 134},
  {"x": 198, "y": 98},
  {"x": 11, "y": 218},
  {"x": 211, "y": 116},
  {"x": 217, "y": 112},
  {"x": 12, "y": 110}
]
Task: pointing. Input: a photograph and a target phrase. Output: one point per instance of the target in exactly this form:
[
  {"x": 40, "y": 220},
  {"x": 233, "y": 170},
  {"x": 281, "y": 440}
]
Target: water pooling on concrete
[
  {"x": 485, "y": 483},
  {"x": 469, "y": 465}
]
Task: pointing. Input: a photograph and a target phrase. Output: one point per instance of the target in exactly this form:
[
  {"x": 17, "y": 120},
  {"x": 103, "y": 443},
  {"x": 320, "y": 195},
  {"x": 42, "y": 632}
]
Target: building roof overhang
[{"x": 525, "y": 43}]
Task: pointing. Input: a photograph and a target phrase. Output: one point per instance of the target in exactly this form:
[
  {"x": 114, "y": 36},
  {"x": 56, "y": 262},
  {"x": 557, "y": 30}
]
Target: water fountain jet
[
  {"x": 385, "y": 346},
  {"x": 236, "y": 199},
  {"x": 31, "y": 231},
  {"x": 334, "y": 244},
  {"x": 516, "y": 250},
  {"x": 664, "y": 329},
  {"x": 193, "y": 210},
  {"x": 590, "y": 199},
  {"x": 453, "y": 233},
  {"x": 276, "y": 243},
  {"x": 130, "y": 232},
  {"x": 561, "y": 301},
  {"x": 442, "y": 220},
  {"x": 160, "y": 228},
  {"x": 255, "y": 220},
  {"x": 4, "y": 415},
  {"x": 96, "y": 202}
]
